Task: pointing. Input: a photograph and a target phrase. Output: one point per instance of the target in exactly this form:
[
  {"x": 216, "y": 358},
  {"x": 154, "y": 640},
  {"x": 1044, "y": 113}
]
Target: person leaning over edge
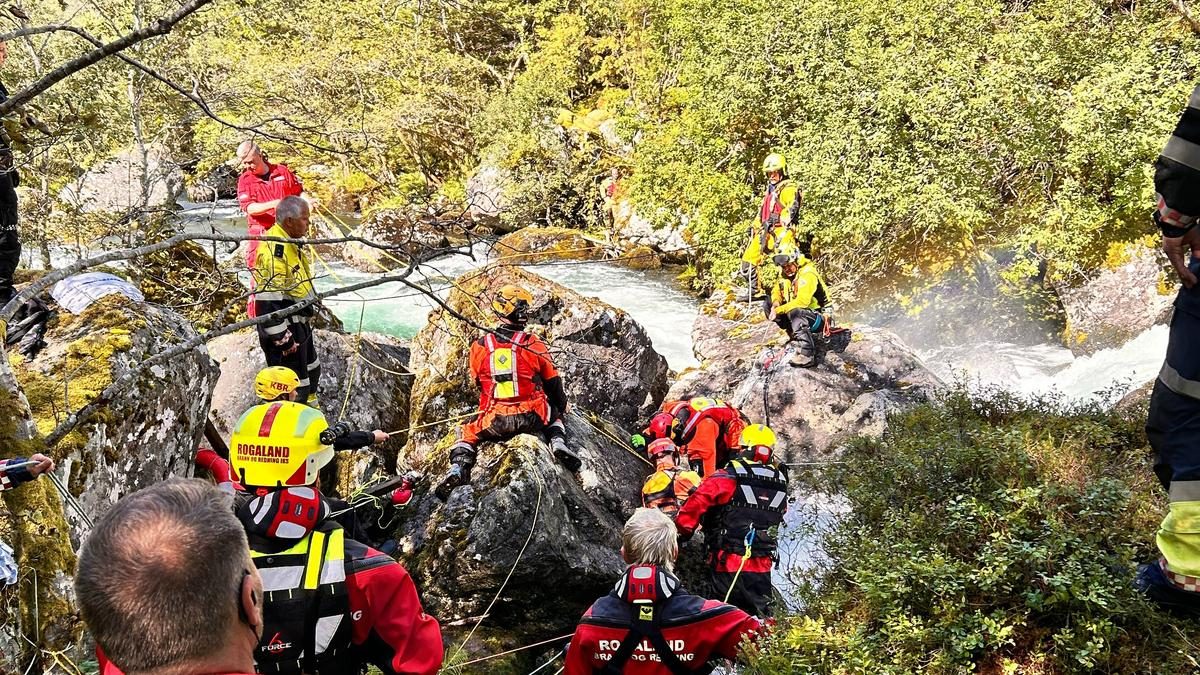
[
  {"x": 647, "y": 624},
  {"x": 166, "y": 585}
]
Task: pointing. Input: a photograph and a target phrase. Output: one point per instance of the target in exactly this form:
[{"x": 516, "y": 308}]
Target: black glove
[{"x": 331, "y": 434}]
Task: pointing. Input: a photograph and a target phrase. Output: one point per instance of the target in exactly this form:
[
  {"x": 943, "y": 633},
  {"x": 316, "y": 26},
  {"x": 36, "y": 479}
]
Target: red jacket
[
  {"x": 531, "y": 371},
  {"x": 697, "y": 631},
  {"x": 714, "y": 492}
]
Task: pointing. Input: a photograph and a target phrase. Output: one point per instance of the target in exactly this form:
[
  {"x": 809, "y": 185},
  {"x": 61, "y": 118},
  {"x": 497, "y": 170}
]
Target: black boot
[
  {"x": 565, "y": 455},
  {"x": 462, "y": 460}
]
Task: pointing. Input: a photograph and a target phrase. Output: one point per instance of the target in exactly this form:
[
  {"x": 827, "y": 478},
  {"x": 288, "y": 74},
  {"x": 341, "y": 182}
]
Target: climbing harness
[{"x": 745, "y": 556}]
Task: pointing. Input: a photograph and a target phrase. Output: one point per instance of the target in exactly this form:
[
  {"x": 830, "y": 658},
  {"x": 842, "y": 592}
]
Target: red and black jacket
[{"x": 648, "y": 625}]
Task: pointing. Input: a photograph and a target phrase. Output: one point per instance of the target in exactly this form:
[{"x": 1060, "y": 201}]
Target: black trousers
[
  {"x": 799, "y": 324},
  {"x": 753, "y": 592},
  {"x": 10, "y": 242},
  {"x": 304, "y": 361}
]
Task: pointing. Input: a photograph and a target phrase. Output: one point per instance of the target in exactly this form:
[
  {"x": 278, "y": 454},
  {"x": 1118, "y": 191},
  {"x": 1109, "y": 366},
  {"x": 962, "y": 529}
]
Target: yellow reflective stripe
[{"x": 312, "y": 572}]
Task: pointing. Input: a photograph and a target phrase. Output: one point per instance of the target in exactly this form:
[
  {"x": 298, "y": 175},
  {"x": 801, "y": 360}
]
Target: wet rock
[
  {"x": 136, "y": 440},
  {"x": 606, "y": 359},
  {"x": 1137, "y": 402},
  {"x": 1119, "y": 302},
  {"x": 558, "y": 533},
  {"x": 862, "y": 375},
  {"x": 118, "y": 185},
  {"x": 368, "y": 380},
  {"x": 414, "y": 234},
  {"x": 219, "y": 183}
]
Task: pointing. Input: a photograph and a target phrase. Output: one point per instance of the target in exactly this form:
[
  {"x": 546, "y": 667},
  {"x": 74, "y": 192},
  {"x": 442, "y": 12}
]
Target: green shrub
[{"x": 988, "y": 534}]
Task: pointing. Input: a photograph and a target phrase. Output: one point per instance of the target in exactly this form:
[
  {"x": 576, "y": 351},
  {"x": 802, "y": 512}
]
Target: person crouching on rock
[
  {"x": 705, "y": 429},
  {"x": 740, "y": 507},
  {"x": 521, "y": 392},
  {"x": 797, "y": 302},
  {"x": 283, "y": 279},
  {"x": 648, "y": 624},
  {"x": 670, "y": 485},
  {"x": 331, "y": 604}
]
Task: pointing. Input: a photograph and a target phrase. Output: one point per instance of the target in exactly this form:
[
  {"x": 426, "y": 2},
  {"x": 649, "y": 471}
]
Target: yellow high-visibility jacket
[{"x": 805, "y": 291}]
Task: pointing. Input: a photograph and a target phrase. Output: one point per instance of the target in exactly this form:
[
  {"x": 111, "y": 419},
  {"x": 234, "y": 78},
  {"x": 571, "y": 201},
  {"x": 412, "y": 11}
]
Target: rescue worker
[
  {"x": 283, "y": 279},
  {"x": 671, "y": 484},
  {"x": 362, "y": 606},
  {"x": 705, "y": 429},
  {"x": 741, "y": 507},
  {"x": 797, "y": 302},
  {"x": 520, "y": 391},
  {"x": 648, "y": 624},
  {"x": 776, "y": 227},
  {"x": 1173, "y": 423},
  {"x": 13, "y": 473},
  {"x": 261, "y": 186}
]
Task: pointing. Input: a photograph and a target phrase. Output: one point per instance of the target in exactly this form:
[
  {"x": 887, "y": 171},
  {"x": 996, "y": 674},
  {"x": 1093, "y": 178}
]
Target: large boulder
[
  {"x": 863, "y": 375},
  {"x": 364, "y": 380},
  {"x": 671, "y": 242},
  {"x": 125, "y": 183},
  {"x": 606, "y": 359},
  {"x": 219, "y": 183},
  {"x": 1131, "y": 294},
  {"x": 557, "y": 533},
  {"x": 486, "y": 200},
  {"x": 135, "y": 440},
  {"x": 413, "y": 233},
  {"x": 533, "y": 245}
]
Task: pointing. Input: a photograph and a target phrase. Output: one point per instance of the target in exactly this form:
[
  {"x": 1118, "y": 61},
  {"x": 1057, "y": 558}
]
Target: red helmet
[
  {"x": 660, "y": 447},
  {"x": 663, "y": 425}
]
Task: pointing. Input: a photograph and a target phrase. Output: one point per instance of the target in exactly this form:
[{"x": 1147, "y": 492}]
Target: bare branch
[{"x": 159, "y": 27}]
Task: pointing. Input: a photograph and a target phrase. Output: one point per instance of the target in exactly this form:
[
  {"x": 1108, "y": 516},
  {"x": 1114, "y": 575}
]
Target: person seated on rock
[
  {"x": 165, "y": 584},
  {"x": 670, "y": 485},
  {"x": 648, "y": 624},
  {"x": 797, "y": 302},
  {"x": 741, "y": 506},
  {"x": 282, "y": 279},
  {"x": 520, "y": 391},
  {"x": 704, "y": 429},
  {"x": 363, "y": 604}
]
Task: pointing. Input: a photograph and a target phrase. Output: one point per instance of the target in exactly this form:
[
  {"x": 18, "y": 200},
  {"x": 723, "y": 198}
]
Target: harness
[
  {"x": 696, "y": 410},
  {"x": 645, "y": 588},
  {"x": 503, "y": 365},
  {"x": 662, "y": 491},
  {"x": 306, "y": 627},
  {"x": 758, "y": 502}
]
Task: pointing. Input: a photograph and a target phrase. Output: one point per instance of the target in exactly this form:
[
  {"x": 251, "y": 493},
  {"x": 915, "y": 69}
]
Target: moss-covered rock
[
  {"x": 365, "y": 376},
  {"x": 187, "y": 279},
  {"x": 533, "y": 245}
]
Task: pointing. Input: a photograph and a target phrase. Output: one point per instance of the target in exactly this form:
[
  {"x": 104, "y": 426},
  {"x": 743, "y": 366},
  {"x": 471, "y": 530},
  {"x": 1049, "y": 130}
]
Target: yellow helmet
[
  {"x": 774, "y": 162},
  {"x": 787, "y": 253},
  {"x": 275, "y": 382},
  {"x": 758, "y": 443},
  {"x": 279, "y": 444},
  {"x": 512, "y": 303}
]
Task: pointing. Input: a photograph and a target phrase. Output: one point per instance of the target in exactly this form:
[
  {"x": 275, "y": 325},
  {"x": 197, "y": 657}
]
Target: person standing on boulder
[
  {"x": 1173, "y": 423},
  {"x": 261, "y": 187},
  {"x": 283, "y": 278},
  {"x": 10, "y": 240},
  {"x": 520, "y": 391},
  {"x": 777, "y": 217},
  {"x": 797, "y": 302},
  {"x": 648, "y": 624},
  {"x": 741, "y": 506}
]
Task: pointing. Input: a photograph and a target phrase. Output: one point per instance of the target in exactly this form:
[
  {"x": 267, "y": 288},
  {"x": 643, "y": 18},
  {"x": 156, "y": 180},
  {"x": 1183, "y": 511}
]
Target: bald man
[{"x": 261, "y": 187}]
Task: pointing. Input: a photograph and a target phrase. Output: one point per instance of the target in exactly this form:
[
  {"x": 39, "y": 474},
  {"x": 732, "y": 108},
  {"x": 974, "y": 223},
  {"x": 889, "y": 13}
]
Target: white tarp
[{"x": 77, "y": 293}]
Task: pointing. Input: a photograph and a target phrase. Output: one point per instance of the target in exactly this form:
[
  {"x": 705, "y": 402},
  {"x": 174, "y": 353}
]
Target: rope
[
  {"x": 550, "y": 662},
  {"x": 518, "y": 649},
  {"x": 745, "y": 557},
  {"x": 380, "y": 368},
  {"x": 70, "y": 500},
  {"x": 537, "y": 508},
  {"x": 434, "y": 423},
  {"x": 613, "y": 438}
]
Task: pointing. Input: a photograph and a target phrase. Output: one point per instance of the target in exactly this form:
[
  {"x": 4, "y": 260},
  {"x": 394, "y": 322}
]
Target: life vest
[
  {"x": 646, "y": 588},
  {"x": 282, "y": 272},
  {"x": 783, "y": 195},
  {"x": 759, "y": 502},
  {"x": 306, "y": 609},
  {"x": 510, "y": 376},
  {"x": 787, "y": 288},
  {"x": 668, "y": 489},
  {"x": 691, "y": 412}
]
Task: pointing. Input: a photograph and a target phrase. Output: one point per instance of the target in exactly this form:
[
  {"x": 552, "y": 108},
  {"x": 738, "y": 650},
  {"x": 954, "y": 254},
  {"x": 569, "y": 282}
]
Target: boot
[
  {"x": 459, "y": 474},
  {"x": 564, "y": 454},
  {"x": 803, "y": 356}
]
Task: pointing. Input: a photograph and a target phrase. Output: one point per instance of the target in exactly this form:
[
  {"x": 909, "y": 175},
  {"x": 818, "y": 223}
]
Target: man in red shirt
[
  {"x": 261, "y": 187},
  {"x": 741, "y": 506},
  {"x": 648, "y": 624}
]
